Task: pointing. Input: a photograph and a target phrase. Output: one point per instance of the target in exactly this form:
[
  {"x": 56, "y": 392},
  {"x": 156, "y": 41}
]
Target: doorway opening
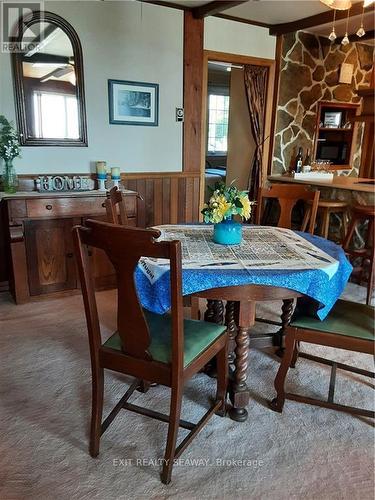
[{"x": 230, "y": 143}]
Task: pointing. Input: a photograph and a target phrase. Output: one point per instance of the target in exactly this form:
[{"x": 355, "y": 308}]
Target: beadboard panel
[{"x": 168, "y": 198}]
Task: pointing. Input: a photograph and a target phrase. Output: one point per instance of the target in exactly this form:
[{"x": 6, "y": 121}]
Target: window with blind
[{"x": 218, "y": 113}]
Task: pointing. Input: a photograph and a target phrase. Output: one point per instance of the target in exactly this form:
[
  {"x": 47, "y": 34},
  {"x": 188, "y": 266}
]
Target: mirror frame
[{"x": 45, "y": 16}]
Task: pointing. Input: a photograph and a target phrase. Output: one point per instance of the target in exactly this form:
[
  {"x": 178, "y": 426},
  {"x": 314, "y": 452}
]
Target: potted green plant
[
  {"x": 225, "y": 203},
  {"x": 9, "y": 149}
]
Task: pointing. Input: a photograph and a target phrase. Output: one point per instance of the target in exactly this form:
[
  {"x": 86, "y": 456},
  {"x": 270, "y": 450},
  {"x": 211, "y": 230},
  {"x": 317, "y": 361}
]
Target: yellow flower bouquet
[{"x": 226, "y": 201}]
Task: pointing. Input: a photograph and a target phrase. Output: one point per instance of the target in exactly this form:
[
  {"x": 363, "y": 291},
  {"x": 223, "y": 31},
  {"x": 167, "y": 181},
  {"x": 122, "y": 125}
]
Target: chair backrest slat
[
  {"x": 124, "y": 247},
  {"x": 116, "y": 199},
  {"x": 288, "y": 196}
]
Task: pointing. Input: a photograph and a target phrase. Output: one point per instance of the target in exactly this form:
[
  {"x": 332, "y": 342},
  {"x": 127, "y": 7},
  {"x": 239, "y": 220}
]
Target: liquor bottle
[{"x": 298, "y": 162}]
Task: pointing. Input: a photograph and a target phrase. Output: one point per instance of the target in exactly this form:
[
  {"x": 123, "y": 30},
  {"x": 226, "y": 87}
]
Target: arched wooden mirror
[{"x": 48, "y": 82}]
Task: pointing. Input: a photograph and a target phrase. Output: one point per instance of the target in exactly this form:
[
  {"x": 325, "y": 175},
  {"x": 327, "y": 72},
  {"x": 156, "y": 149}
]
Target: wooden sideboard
[{"x": 39, "y": 244}]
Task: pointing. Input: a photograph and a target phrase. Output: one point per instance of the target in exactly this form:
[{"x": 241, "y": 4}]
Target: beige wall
[
  {"x": 224, "y": 35},
  {"x": 125, "y": 41},
  {"x": 241, "y": 144}
]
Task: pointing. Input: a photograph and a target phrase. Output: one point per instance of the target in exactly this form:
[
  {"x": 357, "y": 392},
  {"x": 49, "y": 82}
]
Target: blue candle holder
[
  {"x": 101, "y": 181},
  {"x": 116, "y": 179}
]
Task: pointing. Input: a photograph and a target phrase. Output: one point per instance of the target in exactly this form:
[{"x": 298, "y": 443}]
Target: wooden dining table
[
  {"x": 238, "y": 314},
  {"x": 232, "y": 294}
]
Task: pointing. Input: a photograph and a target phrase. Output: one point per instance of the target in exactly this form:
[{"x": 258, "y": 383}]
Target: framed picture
[
  {"x": 133, "y": 103},
  {"x": 332, "y": 119}
]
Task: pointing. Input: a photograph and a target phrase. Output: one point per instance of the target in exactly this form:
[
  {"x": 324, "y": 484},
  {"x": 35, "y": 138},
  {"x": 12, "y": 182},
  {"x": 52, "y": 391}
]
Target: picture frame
[
  {"x": 332, "y": 119},
  {"x": 133, "y": 103}
]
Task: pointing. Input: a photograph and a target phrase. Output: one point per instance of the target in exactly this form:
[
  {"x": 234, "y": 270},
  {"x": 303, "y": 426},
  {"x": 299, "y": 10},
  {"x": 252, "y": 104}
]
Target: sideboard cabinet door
[{"x": 50, "y": 255}]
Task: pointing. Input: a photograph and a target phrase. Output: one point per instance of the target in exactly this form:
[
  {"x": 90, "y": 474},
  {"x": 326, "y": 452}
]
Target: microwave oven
[{"x": 333, "y": 151}]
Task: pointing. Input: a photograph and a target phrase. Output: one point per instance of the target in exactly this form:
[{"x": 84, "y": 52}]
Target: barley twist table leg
[
  {"x": 231, "y": 328},
  {"x": 286, "y": 314},
  {"x": 210, "y": 311},
  {"x": 240, "y": 393}
]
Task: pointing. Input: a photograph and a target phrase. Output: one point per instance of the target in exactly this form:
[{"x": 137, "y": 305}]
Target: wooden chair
[
  {"x": 114, "y": 200},
  {"x": 349, "y": 326},
  {"x": 165, "y": 349},
  {"x": 287, "y": 196},
  {"x": 361, "y": 214}
]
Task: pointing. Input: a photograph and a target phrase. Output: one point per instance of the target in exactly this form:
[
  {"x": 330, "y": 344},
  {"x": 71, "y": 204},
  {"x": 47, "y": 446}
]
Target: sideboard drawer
[{"x": 60, "y": 207}]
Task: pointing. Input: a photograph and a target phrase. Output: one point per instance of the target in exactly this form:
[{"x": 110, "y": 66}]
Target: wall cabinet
[
  {"x": 336, "y": 134},
  {"x": 40, "y": 242}
]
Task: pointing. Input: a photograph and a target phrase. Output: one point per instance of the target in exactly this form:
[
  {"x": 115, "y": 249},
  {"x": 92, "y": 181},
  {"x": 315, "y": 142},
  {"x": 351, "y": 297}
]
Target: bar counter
[{"x": 358, "y": 184}]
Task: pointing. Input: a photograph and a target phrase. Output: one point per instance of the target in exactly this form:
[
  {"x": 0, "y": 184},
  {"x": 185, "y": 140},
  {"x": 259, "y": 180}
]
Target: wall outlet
[{"x": 179, "y": 114}]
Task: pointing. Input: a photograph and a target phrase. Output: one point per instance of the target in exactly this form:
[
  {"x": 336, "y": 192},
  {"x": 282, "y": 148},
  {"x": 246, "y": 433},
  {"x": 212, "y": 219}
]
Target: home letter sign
[{"x": 64, "y": 183}]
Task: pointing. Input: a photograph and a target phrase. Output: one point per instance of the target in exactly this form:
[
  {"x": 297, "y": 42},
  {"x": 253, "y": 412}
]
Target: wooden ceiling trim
[
  {"x": 318, "y": 19},
  {"x": 215, "y": 7},
  {"x": 243, "y": 20},
  {"x": 171, "y": 5}
]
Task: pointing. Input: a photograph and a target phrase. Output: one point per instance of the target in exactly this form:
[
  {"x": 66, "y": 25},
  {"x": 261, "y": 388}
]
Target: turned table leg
[
  {"x": 230, "y": 322},
  {"x": 286, "y": 314},
  {"x": 238, "y": 390},
  {"x": 214, "y": 312}
]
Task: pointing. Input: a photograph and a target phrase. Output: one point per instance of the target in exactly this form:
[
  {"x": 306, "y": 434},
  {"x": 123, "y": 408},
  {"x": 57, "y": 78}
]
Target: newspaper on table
[{"x": 262, "y": 248}]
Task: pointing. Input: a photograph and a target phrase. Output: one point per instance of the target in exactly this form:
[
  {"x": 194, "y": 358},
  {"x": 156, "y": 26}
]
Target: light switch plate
[{"x": 179, "y": 114}]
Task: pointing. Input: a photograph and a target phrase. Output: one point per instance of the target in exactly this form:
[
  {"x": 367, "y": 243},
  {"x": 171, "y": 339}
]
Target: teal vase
[{"x": 228, "y": 232}]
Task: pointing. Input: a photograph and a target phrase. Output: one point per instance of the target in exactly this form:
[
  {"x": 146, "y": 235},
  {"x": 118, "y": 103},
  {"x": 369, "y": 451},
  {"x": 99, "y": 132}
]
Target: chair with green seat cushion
[
  {"x": 349, "y": 326},
  {"x": 164, "y": 350},
  {"x": 198, "y": 335}
]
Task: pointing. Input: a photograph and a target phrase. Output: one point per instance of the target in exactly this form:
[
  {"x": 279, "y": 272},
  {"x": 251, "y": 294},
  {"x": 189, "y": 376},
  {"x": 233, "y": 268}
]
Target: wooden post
[{"x": 193, "y": 83}]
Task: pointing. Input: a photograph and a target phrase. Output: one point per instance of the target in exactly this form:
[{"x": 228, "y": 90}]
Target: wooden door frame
[{"x": 209, "y": 55}]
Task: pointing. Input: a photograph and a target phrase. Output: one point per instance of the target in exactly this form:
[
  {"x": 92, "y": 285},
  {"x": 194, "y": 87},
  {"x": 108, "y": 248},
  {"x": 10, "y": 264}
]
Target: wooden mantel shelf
[{"x": 22, "y": 195}]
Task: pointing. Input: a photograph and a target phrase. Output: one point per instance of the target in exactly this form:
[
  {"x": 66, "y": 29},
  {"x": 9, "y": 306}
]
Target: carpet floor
[{"x": 305, "y": 452}]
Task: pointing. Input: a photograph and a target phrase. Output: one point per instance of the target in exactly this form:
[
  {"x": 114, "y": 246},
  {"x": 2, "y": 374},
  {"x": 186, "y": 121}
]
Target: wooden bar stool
[
  {"x": 325, "y": 209},
  {"x": 362, "y": 213}
]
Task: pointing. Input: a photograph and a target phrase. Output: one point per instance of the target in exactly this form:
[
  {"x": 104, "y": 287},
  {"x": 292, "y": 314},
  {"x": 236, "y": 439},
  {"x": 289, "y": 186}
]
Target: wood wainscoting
[{"x": 169, "y": 198}]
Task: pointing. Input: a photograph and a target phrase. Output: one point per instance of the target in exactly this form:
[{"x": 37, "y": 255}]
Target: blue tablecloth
[{"x": 312, "y": 283}]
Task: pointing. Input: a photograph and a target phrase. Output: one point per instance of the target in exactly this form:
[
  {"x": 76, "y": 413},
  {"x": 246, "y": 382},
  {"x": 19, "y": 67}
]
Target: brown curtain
[{"x": 256, "y": 78}]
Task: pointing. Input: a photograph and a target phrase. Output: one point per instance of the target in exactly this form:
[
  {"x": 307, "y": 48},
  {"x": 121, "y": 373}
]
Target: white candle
[
  {"x": 115, "y": 173},
  {"x": 101, "y": 167}
]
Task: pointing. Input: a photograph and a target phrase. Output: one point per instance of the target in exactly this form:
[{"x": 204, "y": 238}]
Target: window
[
  {"x": 55, "y": 115},
  {"x": 218, "y": 110}
]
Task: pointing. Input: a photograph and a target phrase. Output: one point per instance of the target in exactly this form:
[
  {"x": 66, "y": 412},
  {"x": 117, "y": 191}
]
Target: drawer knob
[
  {"x": 103, "y": 204},
  {"x": 49, "y": 207},
  {"x": 69, "y": 255}
]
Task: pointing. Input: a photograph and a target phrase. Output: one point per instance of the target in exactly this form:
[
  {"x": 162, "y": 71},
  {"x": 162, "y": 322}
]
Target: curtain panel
[{"x": 256, "y": 79}]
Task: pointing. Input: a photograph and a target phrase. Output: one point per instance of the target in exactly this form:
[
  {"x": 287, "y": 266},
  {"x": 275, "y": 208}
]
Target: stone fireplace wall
[{"x": 309, "y": 73}]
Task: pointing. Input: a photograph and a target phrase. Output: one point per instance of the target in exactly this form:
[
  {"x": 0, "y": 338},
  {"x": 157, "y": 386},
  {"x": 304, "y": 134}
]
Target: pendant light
[
  {"x": 361, "y": 30},
  {"x": 345, "y": 40},
  {"x": 332, "y": 36}
]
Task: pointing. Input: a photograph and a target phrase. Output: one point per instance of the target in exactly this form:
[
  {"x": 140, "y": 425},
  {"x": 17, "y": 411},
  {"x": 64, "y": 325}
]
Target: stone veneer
[{"x": 309, "y": 73}]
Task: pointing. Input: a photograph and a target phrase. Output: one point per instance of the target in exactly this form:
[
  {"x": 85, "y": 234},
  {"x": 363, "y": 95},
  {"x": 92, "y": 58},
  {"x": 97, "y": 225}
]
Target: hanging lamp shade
[{"x": 338, "y": 4}]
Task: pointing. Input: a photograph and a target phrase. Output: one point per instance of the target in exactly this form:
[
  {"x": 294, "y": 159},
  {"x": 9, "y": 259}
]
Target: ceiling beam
[
  {"x": 318, "y": 19},
  {"x": 209, "y": 9}
]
